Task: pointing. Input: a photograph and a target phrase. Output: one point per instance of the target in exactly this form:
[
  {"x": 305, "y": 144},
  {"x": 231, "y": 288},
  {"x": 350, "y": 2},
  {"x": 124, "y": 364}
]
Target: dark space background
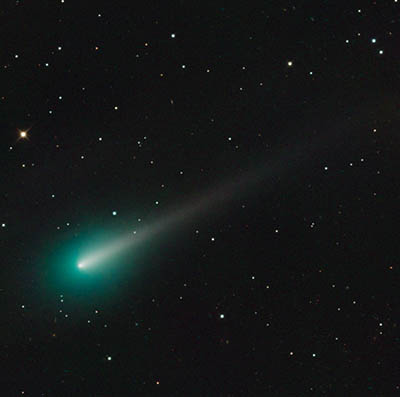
[{"x": 291, "y": 288}]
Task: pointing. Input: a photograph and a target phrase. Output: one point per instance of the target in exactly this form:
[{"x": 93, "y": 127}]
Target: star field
[{"x": 250, "y": 149}]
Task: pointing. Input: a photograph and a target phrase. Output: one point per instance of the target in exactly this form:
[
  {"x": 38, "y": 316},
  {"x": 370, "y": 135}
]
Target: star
[{"x": 23, "y": 134}]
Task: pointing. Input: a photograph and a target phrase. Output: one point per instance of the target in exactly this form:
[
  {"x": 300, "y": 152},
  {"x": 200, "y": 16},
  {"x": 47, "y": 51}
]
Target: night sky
[{"x": 246, "y": 153}]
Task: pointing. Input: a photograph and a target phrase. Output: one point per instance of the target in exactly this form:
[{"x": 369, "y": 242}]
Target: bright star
[{"x": 23, "y": 134}]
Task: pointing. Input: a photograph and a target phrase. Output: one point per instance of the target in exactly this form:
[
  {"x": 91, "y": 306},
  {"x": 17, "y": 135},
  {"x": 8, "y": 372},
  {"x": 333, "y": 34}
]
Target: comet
[
  {"x": 208, "y": 203},
  {"x": 211, "y": 203}
]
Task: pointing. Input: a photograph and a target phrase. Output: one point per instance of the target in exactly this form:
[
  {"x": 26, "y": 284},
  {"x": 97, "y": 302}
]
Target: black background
[{"x": 304, "y": 267}]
